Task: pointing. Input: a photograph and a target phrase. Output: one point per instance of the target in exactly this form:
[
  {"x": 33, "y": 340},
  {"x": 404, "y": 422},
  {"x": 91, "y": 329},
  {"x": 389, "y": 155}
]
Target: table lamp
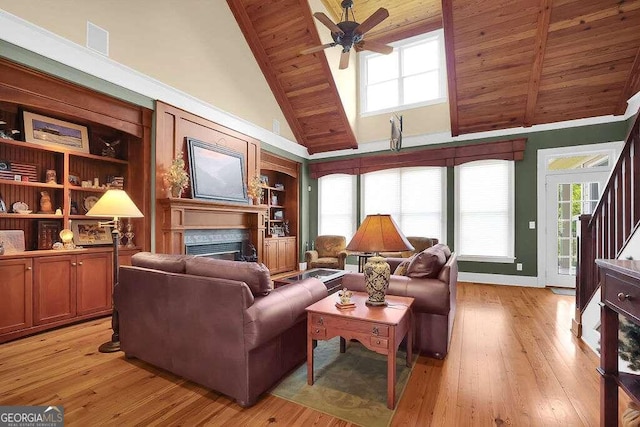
[
  {"x": 116, "y": 204},
  {"x": 378, "y": 233}
]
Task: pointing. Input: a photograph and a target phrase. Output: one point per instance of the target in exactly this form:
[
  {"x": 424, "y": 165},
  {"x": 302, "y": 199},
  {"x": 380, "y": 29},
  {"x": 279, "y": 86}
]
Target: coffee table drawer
[
  {"x": 379, "y": 342},
  {"x": 377, "y": 329},
  {"x": 318, "y": 332}
]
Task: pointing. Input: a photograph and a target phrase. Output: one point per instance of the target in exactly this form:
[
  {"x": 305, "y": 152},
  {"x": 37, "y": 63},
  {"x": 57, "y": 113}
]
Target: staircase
[{"x": 606, "y": 232}]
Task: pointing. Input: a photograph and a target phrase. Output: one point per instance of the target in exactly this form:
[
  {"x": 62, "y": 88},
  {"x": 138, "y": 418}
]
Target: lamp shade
[
  {"x": 379, "y": 233},
  {"x": 115, "y": 203}
]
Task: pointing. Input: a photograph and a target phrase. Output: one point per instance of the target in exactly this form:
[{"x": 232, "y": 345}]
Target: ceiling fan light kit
[{"x": 348, "y": 33}]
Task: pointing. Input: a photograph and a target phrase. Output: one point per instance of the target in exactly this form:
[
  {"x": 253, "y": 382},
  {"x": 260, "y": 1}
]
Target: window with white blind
[
  {"x": 414, "y": 197},
  {"x": 413, "y": 75},
  {"x": 337, "y": 205},
  {"x": 485, "y": 211}
]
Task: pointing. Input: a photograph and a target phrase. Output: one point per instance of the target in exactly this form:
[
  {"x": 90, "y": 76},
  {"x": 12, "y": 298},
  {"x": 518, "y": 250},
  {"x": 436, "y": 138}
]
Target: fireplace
[{"x": 229, "y": 244}]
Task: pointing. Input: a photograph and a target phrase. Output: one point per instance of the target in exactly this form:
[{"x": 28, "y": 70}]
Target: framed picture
[
  {"x": 55, "y": 133},
  {"x": 48, "y": 233},
  {"x": 89, "y": 233},
  {"x": 216, "y": 172}
]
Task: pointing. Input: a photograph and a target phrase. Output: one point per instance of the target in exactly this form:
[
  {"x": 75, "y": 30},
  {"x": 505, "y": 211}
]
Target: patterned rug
[{"x": 351, "y": 386}]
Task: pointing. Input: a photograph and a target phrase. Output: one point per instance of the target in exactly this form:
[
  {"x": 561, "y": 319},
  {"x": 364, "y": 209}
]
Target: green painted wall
[{"x": 525, "y": 189}]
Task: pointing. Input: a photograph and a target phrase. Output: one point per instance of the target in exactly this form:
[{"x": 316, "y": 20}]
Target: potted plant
[
  {"x": 255, "y": 189},
  {"x": 176, "y": 177}
]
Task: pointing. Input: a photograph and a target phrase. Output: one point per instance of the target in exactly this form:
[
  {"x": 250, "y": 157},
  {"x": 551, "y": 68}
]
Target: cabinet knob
[
  {"x": 74, "y": 264},
  {"x": 317, "y": 331},
  {"x": 378, "y": 342},
  {"x": 624, "y": 297},
  {"x": 29, "y": 268},
  {"x": 80, "y": 263}
]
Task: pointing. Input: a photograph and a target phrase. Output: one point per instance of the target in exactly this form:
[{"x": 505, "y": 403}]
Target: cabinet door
[
  {"x": 94, "y": 277},
  {"x": 282, "y": 255},
  {"x": 54, "y": 288},
  {"x": 290, "y": 254},
  {"x": 271, "y": 255},
  {"x": 15, "y": 295}
]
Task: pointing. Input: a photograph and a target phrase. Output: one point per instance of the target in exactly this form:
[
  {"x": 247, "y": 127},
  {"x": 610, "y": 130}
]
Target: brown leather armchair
[{"x": 330, "y": 252}]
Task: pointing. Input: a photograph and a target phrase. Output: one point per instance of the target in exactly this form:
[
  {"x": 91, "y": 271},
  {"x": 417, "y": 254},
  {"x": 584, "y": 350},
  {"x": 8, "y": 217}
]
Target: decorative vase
[
  {"x": 176, "y": 192},
  {"x": 376, "y": 279}
]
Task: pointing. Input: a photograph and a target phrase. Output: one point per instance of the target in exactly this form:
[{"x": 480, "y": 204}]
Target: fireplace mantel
[{"x": 178, "y": 215}]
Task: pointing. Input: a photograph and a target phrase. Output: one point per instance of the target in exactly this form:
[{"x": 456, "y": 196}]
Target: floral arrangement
[
  {"x": 255, "y": 189},
  {"x": 177, "y": 177}
]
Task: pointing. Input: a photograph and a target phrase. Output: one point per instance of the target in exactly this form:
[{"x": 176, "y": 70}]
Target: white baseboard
[{"x": 499, "y": 279}]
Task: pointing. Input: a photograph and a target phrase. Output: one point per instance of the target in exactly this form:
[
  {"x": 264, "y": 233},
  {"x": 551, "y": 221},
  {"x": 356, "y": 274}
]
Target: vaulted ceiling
[{"x": 510, "y": 63}]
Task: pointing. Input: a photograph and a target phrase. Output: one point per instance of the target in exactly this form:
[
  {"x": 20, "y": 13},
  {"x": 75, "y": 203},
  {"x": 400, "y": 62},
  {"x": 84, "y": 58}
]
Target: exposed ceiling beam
[
  {"x": 449, "y": 47},
  {"x": 631, "y": 87},
  {"x": 544, "y": 17}
]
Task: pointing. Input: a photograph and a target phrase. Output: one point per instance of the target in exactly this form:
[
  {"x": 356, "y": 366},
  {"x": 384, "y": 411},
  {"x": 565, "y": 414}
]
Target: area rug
[{"x": 351, "y": 385}]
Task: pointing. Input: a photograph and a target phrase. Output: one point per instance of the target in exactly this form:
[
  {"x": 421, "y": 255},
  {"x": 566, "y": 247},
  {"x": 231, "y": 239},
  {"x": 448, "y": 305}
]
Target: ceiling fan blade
[
  {"x": 377, "y": 17},
  {"x": 328, "y": 22},
  {"x": 374, "y": 47},
  {"x": 316, "y": 48},
  {"x": 344, "y": 60}
]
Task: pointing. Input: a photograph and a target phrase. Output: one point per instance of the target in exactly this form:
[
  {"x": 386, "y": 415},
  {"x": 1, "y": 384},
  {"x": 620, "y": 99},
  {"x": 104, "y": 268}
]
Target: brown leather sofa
[
  {"x": 434, "y": 290},
  {"x": 214, "y": 322}
]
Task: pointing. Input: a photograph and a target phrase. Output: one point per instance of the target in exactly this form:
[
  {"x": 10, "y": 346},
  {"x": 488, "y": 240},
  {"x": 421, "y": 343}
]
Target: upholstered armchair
[
  {"x": 330, "y": 252},
  {"x": 419, "y": 243}
]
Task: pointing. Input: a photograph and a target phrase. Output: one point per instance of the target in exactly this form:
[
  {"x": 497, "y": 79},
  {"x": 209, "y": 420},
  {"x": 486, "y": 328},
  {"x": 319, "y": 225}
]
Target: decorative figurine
[
  {"x": 51, "y": 176},
  {"x": 45, "y": 203},
  {"x": 110, "y": 148},
  {"x": 129, "y": 235},
  {"x": 121, "y": 235},
  {"x": 345, "y": 296}
]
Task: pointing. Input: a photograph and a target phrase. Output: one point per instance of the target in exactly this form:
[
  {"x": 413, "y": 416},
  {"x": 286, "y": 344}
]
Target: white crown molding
[
  {"x": 499, "y": 279},
  {"x": 26, "y": 35}
]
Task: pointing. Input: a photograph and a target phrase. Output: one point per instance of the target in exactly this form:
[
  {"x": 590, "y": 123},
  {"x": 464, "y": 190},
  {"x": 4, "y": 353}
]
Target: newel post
[{"x": 584, "y": 273}]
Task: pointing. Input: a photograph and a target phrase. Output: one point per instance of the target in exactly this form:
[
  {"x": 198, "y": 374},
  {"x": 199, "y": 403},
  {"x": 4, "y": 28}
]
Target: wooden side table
[
  {"x": 620, "y": 295},
  {"x": 380, "y": 329}
]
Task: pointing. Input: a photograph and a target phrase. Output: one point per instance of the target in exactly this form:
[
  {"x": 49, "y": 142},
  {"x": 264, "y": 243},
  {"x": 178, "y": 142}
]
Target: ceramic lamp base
[{"x": 376, "y": 279}]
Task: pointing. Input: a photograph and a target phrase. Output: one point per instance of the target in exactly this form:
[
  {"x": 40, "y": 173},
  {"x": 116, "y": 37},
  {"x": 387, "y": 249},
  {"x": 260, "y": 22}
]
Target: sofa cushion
[
  {"x": 255, "y": 275},
  {"x": 401, "y": 269},
  {"x": 445, "y": 249},
  {"x": 164, "y": 262},
  {"x": 427, "y": 263}
]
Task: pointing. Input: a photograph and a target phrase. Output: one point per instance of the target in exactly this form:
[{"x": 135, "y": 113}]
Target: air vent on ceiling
[{"x": 97, "y": 39}]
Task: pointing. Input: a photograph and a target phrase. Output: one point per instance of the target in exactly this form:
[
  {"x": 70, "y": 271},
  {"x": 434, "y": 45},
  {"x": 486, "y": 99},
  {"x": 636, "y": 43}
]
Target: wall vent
[{"x": 97, "y": 39}]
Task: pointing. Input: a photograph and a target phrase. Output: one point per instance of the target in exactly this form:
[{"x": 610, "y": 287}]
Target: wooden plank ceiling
[
  {"x": 276, "y": 31},
  {"x": 510, "y": 63},
  {"x": 524, "y": 62}
]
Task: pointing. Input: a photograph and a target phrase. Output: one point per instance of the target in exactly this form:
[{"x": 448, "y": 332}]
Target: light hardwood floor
[{"x": 513, "y": 361}]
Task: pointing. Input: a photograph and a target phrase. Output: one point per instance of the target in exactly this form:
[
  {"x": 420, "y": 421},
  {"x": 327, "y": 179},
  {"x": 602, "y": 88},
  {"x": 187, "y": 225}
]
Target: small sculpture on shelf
[
  {"x": 129, "y": 235},
  {"x": 255, "y": 190},
  {"x": 46, "y": 207},
  {"x": 110, "y": 148},
  {"x": 122, "y": 239}
]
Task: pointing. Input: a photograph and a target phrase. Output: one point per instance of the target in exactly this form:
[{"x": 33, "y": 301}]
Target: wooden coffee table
[
  {"x": 331, "y": 278},
  {"x": 380, "y": 329}
]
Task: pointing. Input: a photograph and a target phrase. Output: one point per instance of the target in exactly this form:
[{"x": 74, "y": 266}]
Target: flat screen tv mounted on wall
[{"x": 217, "y": 173}]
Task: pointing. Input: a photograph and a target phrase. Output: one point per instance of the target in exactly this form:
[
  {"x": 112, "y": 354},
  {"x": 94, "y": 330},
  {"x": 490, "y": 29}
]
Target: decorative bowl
[{"x": 24, "y": 212}]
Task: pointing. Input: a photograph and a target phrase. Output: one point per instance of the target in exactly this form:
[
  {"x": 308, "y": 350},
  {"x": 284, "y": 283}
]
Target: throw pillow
[
  {"x": 401, "y": 269},
  {"x": 445, "y": 249},
  {"x": 427, "y": 263},
  {"x": 255, "y": 275},
  {"x": 164, "y": 262}
]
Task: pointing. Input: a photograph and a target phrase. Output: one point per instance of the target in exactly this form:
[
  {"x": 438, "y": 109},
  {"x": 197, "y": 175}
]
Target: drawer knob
[
  {"x": 29, "y": 268},
  {"x": 80, "y": 263},
  {"x": 317, "y": 331},
  {"x": 74, "y": 264},
  {"x": 378, "y": 342},
  {"x": 624, "y": 297}
]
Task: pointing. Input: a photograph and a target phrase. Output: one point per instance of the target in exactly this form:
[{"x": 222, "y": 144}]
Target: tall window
[
  {"x": 485, "y": 211},
  {"x": 413, "y": 74},
  {"x": 413, "y": 197},
  {"x": 337, "y": 205}
]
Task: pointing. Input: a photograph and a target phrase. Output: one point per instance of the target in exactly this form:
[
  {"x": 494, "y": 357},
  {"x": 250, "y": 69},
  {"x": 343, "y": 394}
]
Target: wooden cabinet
[
  {"x": 281, "y": 196},
  {"x": 620, "y": 296},
  {"x": 40, "y": 290},
  {"x": 15, "y": 295},
  {"x": 280, "y": 254}
]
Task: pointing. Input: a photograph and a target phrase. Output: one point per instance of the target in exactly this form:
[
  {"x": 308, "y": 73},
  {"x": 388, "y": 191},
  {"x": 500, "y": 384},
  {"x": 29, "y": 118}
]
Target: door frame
[{"x": 614, "y": 149}]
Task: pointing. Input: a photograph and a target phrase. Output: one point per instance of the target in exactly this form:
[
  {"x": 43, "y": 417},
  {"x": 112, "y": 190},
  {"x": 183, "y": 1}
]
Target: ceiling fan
[{"x": 348, "y": 33}]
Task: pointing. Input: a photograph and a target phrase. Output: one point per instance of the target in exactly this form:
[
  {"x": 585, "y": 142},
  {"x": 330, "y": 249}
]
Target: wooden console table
[{"x": 620, "y": 296}]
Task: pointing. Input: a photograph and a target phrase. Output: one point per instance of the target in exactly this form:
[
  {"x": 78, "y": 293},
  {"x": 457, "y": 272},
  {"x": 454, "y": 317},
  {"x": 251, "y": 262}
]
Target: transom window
[{"x": 414, "y": 74}]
